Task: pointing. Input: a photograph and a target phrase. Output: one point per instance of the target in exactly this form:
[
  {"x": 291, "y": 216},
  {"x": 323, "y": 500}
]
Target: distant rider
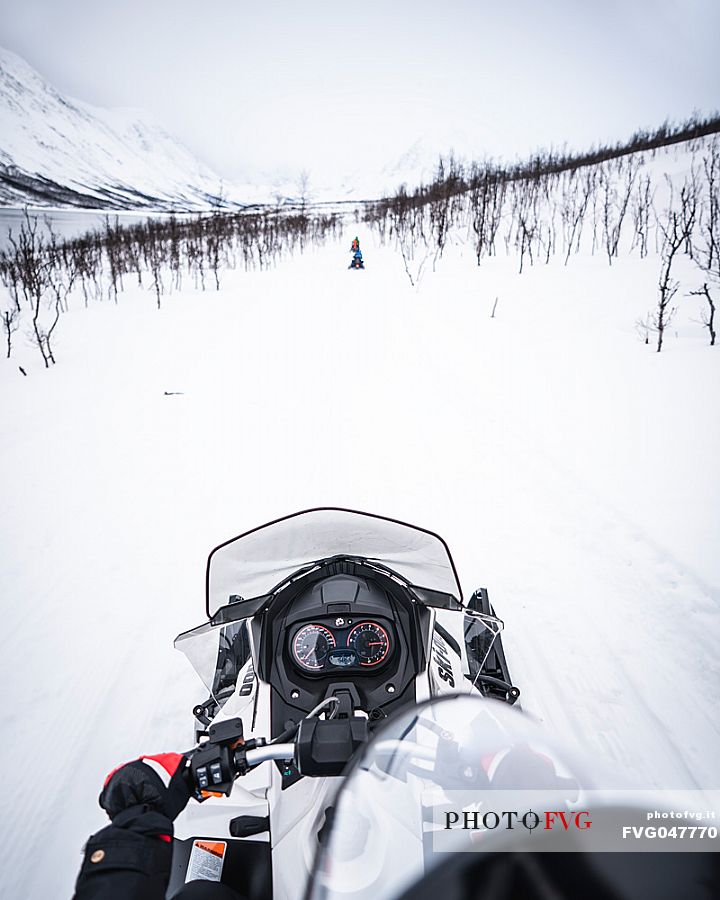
[{"x": 357, "y": 260}]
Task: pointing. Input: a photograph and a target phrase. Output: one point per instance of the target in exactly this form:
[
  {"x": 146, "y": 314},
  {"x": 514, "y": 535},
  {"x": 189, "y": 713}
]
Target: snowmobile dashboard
[
  {"x": 345, "y": 630},
  {"x": 340, "y": 643}
]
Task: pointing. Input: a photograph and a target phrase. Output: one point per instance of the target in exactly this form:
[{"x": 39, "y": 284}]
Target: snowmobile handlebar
[
  {"x": 278, "y": 752},
  {"x": 316, "y": 747},
  {"x": 224, "y": 756}
]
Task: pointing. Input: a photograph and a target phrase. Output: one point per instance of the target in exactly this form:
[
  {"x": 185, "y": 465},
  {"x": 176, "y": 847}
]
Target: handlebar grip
[{"x": 270, "y": 751}]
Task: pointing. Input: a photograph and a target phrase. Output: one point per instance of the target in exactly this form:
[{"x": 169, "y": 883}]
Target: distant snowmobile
[{"x": 357, "y": 260}]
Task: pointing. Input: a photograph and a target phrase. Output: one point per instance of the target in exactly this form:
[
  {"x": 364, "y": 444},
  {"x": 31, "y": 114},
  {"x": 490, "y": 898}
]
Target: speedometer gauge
[
  {"x": 371, "y": 643},
  {"x": 311, "y": 647}
]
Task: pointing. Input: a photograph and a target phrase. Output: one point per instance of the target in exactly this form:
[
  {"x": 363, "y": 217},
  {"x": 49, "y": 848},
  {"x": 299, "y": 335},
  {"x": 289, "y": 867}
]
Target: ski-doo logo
[
  {"x": 248, "y": 682},
  {"x": 442, "y": 660}
]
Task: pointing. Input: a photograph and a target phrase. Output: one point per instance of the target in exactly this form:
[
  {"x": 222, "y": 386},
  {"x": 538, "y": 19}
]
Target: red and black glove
[
  {"x": 147, "y": 794},
  {"x": 132, "y": 857}
]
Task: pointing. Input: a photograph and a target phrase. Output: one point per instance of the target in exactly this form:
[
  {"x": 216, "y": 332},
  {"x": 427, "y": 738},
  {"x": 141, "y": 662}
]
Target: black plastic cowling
[{"x": 325, "y": 747}]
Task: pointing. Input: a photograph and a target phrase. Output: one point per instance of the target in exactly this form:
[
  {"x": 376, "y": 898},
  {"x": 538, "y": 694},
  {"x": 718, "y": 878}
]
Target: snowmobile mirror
[
  {"x": 480, "y": 602},
  {"x": 437, "y": 599},
  {"x": 239, "y": 608}
]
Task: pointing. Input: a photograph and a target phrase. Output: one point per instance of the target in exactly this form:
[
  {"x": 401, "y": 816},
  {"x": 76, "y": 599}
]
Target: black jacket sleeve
[{"x": 123, "y": 863}]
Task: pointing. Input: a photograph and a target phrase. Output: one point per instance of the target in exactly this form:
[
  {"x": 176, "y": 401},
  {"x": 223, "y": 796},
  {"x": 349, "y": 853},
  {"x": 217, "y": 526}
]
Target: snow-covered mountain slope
[{"x": 58, "y": 151}]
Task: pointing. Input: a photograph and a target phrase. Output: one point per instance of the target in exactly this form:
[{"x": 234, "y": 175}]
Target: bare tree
[
  {"x": 525, "y": 213},
  {"x": 487, "y": 197},
  {"x": 577, "y": 191},
  {"x": 220, "y": 200},
  {"x": 213, "y": 243},
  {"x": 644, "y": 327},
  {"x": 615, "y": 204},
  {"x": 33, "y": 266},
  {"x": 641, "y": 208},
  {"x": 676, "y": 228},
  {"x": 11, "y": 323},
  {"x": 10, "y": 276},
  {"x": 707, "y": 317},
  {"x": 303, "y": 186},
  {"x": 154, "y": 252},
  {"x": 62, "y": 270},
  {"x": 706, "y": 241}
]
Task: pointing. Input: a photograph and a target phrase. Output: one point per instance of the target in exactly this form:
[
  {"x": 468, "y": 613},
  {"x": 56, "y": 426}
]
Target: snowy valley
[{"x": 571, "y": 468}]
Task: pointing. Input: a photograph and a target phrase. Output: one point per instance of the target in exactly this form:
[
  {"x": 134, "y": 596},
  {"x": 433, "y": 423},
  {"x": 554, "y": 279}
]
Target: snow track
[
  {"x": 612, "y": 659},
  {"x": 533, "y": 442}
]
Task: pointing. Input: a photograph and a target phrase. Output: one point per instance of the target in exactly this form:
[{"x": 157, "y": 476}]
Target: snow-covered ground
[{"x": 572, "y": 470}]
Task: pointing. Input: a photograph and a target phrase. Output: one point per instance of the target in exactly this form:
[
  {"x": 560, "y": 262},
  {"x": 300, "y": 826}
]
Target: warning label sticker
[{"x": 206, "y": 861}]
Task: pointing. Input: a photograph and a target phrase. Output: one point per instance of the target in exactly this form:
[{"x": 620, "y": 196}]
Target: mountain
[{"x": 57, "y": 151}]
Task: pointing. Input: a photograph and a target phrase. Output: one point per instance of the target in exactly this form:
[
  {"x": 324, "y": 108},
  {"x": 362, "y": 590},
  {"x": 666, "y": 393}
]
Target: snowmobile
[
  {"x": 321, "y": 627},
  {"x": 357, "y": 261}
]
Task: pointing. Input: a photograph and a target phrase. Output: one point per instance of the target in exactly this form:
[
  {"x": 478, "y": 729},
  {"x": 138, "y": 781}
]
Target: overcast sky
[{"x": 327, "y": 86}]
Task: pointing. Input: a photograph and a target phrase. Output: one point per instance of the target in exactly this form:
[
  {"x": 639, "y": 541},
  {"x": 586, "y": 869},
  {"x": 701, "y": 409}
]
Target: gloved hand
[{"x": 148, "y": 792}]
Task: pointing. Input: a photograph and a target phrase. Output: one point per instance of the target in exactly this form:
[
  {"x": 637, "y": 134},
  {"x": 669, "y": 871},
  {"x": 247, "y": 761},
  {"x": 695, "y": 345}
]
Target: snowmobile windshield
[
  {"x": 259, "y": 561},
  {"x": 387, "y": 828},
  {"x": 451, "y": 794}
]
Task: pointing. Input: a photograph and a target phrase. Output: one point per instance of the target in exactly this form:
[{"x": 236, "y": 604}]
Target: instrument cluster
[{"x": 348, "y": 644}]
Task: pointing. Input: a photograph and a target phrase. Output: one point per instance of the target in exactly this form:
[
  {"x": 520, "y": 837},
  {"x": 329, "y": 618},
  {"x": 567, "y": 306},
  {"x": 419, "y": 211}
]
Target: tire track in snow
[{"x": 649, "y": 730}]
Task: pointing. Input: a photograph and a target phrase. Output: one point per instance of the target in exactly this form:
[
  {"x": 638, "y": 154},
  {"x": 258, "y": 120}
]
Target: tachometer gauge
[
  {"x": 371, "y": 643},
  {"x": 311, "y": 647}
]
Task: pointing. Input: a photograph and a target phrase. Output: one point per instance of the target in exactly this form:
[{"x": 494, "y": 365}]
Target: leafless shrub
[
  {"x": 706, "y": 239},
  {"x": 676, "y": 227},
  {"x": 62, "y": 271},
  {"x": 641, "y": 211},
  {"x": 486, "y": 199},
  {"x": 10, "y": 277},
  {"x": 615, "y": 200},
  {"x": 578, "y": 188},
  {"x": 11, "y": 323},
  {"x": 31, "y": 259},
  {"x": 707, "y": 316},
  {"x": 643, "y": 327}
]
